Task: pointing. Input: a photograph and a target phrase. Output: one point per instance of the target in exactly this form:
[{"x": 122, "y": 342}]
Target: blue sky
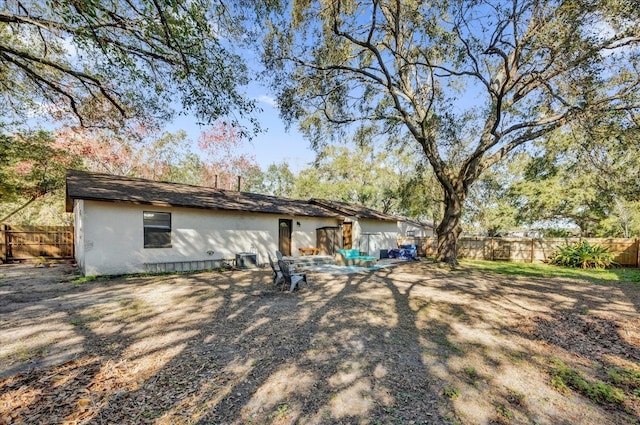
[
  {"x": 276, "y": 144},
  {"x": 273, "y": 145}
]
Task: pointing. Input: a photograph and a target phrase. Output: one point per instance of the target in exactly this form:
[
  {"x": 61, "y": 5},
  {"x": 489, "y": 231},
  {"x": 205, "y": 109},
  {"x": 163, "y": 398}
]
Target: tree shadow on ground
[
  {"x": 238, "y": 351},
  {"x": 411, "y": 344}
]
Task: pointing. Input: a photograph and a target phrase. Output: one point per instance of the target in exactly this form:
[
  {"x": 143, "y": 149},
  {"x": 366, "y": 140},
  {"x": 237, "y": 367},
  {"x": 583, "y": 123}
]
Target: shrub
[{"x": 583, "y": 255}]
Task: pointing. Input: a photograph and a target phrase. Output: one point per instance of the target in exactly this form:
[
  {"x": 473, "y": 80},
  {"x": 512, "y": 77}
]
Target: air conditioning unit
[{"x": 246, "y": 260}]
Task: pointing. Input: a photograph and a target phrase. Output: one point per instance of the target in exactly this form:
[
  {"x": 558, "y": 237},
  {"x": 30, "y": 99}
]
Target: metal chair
[
  {"x": 277, "y": 273},
  {"x": 291, "y": 279}
]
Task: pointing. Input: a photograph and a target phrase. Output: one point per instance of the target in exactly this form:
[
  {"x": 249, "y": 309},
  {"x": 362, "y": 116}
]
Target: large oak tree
[
  {"x": 101, "y": 62},
  {"x": 468, "y": 81}
]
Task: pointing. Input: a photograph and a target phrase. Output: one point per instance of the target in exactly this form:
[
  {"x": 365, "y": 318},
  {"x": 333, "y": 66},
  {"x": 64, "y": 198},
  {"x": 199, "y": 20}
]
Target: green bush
[{"x": 583, "y": 255}]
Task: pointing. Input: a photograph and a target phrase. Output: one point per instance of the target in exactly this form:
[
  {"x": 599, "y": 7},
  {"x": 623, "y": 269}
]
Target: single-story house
[
  {"x": 410, "y": 227},
  {"x": 130, "y": 225},
  {"x": 370, "y": 230}
]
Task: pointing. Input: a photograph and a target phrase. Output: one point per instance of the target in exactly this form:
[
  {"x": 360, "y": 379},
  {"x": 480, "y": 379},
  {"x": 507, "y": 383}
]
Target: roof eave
[{"x": 170, "y": 205}]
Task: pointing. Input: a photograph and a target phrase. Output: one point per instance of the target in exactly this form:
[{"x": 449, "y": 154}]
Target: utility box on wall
[{"x": 246, "y": 260}]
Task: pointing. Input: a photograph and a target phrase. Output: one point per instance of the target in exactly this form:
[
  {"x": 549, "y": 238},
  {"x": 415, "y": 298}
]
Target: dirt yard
[{"x": 413, "y": 344}]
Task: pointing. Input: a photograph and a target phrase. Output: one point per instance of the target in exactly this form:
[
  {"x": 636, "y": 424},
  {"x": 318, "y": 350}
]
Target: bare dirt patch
[{"x": 416, "y": 343}]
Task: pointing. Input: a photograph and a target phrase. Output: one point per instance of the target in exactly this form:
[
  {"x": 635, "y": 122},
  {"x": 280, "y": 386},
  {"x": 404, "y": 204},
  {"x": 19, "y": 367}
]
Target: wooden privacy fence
[
  {"x": 27, "y": 242},
  {"x": 626, "y": 252}
]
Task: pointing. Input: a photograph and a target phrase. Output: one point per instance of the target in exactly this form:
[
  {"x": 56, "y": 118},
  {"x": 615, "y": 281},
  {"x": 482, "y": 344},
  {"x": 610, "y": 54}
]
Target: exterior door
[
  {"x": 347, "y": 230},
  {"x": 284, "y": 236},
  {"x": 328, "y": 240}
]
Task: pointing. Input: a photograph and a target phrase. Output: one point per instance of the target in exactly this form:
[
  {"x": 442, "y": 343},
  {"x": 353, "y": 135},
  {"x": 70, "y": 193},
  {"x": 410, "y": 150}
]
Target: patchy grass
[
  {"x": 26, "y": 353},
  {"x": 550, "y": 271},
  {"x": 86, "y": 279},
  {"x": 626, "y": 379},
  {"x": 280, "y": 413},
  {"x": 450, "y": 392},
  {"x": 418, "y": 343},
  {"x": 504, "y": 411},
  {"x": 84, "y": 320},
  {"x": 471, "y": 373},
  {"x": 565, "y": 378}
]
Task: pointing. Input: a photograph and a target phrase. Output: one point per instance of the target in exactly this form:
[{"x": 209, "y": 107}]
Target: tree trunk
[{"x": 449, "y": 229}]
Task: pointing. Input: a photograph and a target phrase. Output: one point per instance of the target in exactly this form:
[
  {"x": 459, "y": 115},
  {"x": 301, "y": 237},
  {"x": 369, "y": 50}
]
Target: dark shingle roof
[
  {"x": 105, "y": 187},
  {"x": 352, "y": 210},
  {"x": 416, "y": 222}
]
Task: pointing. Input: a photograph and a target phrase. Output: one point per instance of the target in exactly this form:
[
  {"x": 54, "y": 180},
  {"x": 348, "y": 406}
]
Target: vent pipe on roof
[
  {"x": 239, "y": 180},
  {"x": 215, "y": 182}
]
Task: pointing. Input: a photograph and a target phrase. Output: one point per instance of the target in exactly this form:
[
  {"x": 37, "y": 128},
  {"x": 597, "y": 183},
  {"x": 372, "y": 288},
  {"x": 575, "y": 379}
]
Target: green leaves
[
  {"x": 585, "y": 176},
  {"x": 104, "y": 61},
  {"x": 360, "y": 175},
  {"x": 32, "y": 165},
  {"x": 583, "y": 255}
]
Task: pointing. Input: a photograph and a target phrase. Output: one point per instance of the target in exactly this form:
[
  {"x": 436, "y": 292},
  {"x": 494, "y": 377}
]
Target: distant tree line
[{"x": 575, "y": 185}]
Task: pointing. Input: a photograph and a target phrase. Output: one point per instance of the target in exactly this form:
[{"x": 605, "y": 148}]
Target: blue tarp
[{"x": 405, "y": 252}]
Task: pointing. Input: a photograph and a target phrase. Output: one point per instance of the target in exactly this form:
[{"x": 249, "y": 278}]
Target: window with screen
[{"x": 157, "y": 229}]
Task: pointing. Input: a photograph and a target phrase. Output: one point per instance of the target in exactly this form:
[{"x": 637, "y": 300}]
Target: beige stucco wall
[
  {"x": 111, "y": 236},
  {"x": 371, "y": 236},
  {"x": 78, "y": 239},
  {"x": 418, "y": 231}
]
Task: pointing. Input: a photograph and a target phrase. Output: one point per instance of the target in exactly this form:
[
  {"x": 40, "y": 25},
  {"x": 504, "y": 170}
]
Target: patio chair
[
  {"x": 291, "y": 279},
  {"x": 279, "y": 255},
  {"x": 277, "y": 273}
]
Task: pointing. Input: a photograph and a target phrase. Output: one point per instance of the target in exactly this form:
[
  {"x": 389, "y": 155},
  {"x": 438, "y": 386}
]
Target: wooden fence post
[
  {"x": 494, "y": 249},
  {"x": 533, "y": 245},
  {"x": 3, "y": 243},
  {"x": 638, "y": 253}
]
